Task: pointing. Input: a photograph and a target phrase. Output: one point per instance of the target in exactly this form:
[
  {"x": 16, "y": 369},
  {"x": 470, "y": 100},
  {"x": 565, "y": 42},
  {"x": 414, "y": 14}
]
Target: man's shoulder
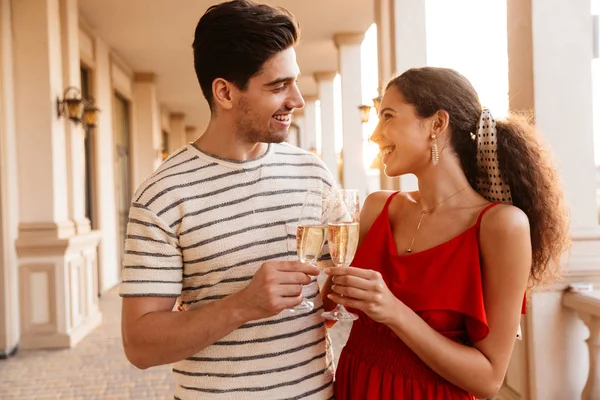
[{"x": 172, "y": 175}]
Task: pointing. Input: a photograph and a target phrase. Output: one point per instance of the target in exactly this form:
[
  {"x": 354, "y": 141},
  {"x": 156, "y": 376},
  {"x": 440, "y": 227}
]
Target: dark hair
[
  {"x": 523, "y": 162},
  {"x": 234, "y": 39}
]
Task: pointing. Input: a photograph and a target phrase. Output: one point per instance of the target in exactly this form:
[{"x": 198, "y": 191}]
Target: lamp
[
  {"x": 377, "y": 103},
  {"x": 71, "y": 104},
  {"x": 79, "y": 110},
  {"x": 365, "y": 110},
  {"x": 90, "y": 113}
]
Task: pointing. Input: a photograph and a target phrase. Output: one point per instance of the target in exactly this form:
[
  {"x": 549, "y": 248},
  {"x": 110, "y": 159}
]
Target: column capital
[
  {"x": 324, "y": 75},
  {"x": 348, "y": 38},
  {"x": 145, "y": 77},
  {"x": 177, "y": 116},
  {"x": 310, "y": 97}
]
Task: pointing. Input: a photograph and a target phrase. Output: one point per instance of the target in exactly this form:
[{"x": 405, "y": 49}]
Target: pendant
[{"x": 409, "y": 251}]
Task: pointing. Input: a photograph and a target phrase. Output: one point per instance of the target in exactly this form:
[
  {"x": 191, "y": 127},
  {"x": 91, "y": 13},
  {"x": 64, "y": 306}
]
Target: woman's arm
[{"x": 506, "y": 253}]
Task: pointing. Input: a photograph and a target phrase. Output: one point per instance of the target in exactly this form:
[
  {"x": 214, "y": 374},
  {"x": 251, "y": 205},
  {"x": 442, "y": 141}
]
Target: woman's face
[{"x": 403, "y": 138}]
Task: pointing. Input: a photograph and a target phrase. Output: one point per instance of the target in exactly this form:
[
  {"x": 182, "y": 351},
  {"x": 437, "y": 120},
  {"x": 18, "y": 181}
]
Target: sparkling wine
[
  {"x": 343, "y": 239},
  {"x": 309, "y": 242}
]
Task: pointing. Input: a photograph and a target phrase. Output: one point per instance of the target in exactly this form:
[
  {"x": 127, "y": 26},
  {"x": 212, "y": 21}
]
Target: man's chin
[{"x": 277, "y": 137}]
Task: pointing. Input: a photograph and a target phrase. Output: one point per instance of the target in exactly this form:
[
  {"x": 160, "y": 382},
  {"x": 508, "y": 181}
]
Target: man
[{"x": 208, "y": 229}]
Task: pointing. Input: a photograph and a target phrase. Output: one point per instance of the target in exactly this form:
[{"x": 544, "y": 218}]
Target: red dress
[{"x": 443, "y": 286}]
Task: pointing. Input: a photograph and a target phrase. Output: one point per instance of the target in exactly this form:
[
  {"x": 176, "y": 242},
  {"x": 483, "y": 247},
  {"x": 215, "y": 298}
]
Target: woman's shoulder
[
  {"x": 504, "y": 219},
  {"x": 376, "y": 201}
]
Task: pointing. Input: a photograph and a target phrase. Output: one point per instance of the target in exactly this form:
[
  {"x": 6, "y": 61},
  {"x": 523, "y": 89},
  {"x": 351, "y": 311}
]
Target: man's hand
[{"x": 276, "y": 286}]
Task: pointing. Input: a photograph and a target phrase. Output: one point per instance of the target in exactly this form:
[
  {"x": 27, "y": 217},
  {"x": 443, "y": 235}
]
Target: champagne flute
[
  {"x": 343, "y": 240},
  {"x": 311, "y": 233}
]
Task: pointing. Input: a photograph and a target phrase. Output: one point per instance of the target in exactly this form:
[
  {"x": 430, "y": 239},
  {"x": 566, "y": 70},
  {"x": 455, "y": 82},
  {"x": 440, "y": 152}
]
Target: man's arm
[{"x": 153, "y": 334}]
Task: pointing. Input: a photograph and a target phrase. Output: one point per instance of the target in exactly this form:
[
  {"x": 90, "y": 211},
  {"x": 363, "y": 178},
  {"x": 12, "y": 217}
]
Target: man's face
[{"x": 264, "y": 109}]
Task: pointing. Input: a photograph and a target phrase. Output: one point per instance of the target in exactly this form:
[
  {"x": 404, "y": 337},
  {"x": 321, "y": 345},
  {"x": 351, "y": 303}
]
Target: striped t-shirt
[{"x": 199, "y": 228}]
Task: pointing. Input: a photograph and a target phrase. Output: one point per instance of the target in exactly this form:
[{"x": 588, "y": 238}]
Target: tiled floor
[{"x": 96, "y": 368}]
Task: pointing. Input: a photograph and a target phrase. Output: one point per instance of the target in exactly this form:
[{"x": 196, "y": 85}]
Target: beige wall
[{"x": 9, "y": 305}]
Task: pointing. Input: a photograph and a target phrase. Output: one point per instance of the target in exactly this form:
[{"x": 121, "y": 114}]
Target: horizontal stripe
[
  {"x": 174, "y": 296},
  {"x": 235, "y": 250},
  {"x": 189, "y": 171},
  {"x": 229, "y": 280},
  {"x": 270, "y": 338},
  {"x": 237, "y": 186},
  {"x": 148, "y": 281},
  {"x": 146, "y": 239},
  {"x": 241, "y": 215},
  {"x": 258, "y": 356},
  {"x": 146, "y": 253},
  {"x": 152, "y": 268},
  {"x": 238, "y": 232},
  {"x": 151, "y": 225},
  {"x": 234, "y": 202},
  {"x": 222, "y": 296},
  {"x": 251, "y": 373},
  {"x": 194, "y": 183},
  {"x": 282, "y": 320},
  {"x": 241, "y": 263},
  {"x": 230, "y": 174},
  {"x": 310, "y": 392},
  {"x": 263, "y": 388}
]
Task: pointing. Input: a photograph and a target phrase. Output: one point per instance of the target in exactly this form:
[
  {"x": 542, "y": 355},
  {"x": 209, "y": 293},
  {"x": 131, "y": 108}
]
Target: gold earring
[{"x": 435, "y": 154}]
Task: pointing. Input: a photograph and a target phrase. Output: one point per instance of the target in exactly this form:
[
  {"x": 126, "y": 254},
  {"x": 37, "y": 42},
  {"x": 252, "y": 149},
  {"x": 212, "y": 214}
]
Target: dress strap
[
  {"x": 389, "y": 200},
  {"x": 480, "y": 217}
]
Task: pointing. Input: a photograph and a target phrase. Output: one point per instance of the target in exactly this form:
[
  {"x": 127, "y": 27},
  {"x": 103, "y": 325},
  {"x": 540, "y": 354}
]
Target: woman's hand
[{"x": 363, "y": 290}]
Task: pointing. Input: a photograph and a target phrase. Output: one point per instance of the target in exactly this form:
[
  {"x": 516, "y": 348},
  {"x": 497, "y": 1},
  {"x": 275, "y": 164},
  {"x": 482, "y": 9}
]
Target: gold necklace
[{"x": 409, "y": 249}]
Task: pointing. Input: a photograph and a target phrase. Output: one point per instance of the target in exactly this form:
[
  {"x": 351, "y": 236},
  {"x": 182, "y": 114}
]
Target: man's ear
[{"x": 223, "y": 93}]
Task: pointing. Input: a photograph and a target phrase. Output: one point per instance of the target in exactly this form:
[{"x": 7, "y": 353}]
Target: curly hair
[{"x": 523, "y": 160}]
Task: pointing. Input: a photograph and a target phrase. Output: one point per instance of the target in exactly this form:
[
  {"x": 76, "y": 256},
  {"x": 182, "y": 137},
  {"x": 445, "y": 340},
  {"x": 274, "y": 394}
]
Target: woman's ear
[{"x": 441, "y": 121}]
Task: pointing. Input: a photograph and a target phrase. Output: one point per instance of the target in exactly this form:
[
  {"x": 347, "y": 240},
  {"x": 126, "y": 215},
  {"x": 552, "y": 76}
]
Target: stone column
[
  {"x": 310, "y": 124},
  {"x": 146, "y": 133},
  {"x": 550, "y": 54},
  {"x": 177, "y": 137},
  {"x": 326, "y": 89},
  {"x": 409, "y": 41},
  {"x": 57, "y": 266},
  {"x": 9, "y": 199},
  {"x": 74, "y": 134},
  {"x": 353, "y": 170},
  {"x": 386, "y": 63}
]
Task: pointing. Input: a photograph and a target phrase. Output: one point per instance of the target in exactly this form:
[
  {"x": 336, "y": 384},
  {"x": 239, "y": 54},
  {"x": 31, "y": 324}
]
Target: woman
[{"x": 440, "y": 274}]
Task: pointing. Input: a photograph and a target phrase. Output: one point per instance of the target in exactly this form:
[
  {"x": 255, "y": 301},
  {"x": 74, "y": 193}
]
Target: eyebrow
[{"x": 280, "y": 80}]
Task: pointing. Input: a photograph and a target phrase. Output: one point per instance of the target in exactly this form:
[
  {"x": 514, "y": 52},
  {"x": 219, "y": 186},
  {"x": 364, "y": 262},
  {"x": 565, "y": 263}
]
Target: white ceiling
[{"x": 156, "y": 36}]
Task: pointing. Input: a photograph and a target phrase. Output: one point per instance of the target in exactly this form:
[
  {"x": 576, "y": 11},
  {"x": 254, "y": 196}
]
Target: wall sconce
[
  {"x": 71, "y": 105},
  {"x": 77, "y": 109},
  {"x": 365, "y": 110},
  {"x": 377, "y": 103},
  {"x": 90, "y": 113}
]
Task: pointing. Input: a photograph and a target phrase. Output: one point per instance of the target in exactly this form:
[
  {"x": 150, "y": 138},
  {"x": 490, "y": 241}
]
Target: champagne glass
[
  {"x": 311, "y": 233},
  {"x": 343, "y": 240}
]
